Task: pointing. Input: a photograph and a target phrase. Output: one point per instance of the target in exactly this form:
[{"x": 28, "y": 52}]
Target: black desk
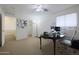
[{"x": 53, "y": 39}]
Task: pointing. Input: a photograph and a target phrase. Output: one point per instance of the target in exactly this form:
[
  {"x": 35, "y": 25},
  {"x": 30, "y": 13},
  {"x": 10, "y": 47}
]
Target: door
[
  {"x": 0, "y": 30},
  {"x": 29, "y": 27}
]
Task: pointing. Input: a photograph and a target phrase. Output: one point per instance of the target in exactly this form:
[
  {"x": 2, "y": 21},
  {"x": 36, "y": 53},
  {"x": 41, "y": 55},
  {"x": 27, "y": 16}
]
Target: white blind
[
  {"x": 69, "y": 20},
  {"x": 60, "y": 21}
]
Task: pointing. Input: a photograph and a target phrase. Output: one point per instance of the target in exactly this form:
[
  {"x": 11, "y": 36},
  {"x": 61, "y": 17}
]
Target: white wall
[
  {"x": 42, "y": 23},
  {"x": 21, "y": 33}
]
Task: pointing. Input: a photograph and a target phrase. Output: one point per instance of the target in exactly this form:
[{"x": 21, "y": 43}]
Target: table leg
[
  {"x": 40, "y": 43},
  {"x": 54, "y": 45}
]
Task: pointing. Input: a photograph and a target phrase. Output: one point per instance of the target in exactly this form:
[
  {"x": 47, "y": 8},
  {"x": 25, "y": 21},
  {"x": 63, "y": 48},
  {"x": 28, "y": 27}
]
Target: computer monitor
[
  {"x": 57, "y": 28},
  {"x": 52, "y": 27}
]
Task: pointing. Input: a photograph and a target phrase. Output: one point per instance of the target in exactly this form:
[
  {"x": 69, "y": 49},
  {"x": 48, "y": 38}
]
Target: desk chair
[{"x": 71, "y": 42}]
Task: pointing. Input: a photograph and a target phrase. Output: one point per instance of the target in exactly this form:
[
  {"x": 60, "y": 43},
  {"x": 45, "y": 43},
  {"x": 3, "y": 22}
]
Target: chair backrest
[
  {"x": 71, "y": 33},
  {"x": 76, "y": 34}
]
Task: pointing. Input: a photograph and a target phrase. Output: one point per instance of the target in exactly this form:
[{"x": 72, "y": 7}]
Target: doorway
[
  {"x": 0, "y": 30},
  {"x": 10, "y": 28},
  {"x": 30, "y": 27}
]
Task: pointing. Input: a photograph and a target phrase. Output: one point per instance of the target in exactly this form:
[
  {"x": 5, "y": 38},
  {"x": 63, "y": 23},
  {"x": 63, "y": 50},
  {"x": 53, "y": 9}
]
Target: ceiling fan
[{"x": 40, "y": 8}]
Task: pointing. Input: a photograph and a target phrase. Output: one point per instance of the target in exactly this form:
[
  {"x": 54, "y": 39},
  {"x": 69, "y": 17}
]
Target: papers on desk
[
  {"x": 61, "y": 35},
  {"x": 53, "y": 34},
  {"x": 56, "y": 34}
]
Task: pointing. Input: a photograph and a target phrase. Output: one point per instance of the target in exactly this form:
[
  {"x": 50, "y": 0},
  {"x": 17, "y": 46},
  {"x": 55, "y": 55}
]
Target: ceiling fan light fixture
[{"x": 39, "y": 8}]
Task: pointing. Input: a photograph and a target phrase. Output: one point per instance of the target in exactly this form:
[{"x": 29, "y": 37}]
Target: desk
[{"x": 53, "y": 39}]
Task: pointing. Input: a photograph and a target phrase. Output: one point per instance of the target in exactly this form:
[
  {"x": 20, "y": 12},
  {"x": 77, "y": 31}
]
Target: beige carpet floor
[{"x": 30, "y": 46}]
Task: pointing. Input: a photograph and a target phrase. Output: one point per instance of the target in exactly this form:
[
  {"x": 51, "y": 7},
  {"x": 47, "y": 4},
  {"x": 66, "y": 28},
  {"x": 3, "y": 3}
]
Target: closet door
[{"x": 0, "y": 30}]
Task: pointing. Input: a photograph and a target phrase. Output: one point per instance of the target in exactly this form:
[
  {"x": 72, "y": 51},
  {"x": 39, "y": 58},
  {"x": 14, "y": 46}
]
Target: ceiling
[{"x": 27, "y": 9}]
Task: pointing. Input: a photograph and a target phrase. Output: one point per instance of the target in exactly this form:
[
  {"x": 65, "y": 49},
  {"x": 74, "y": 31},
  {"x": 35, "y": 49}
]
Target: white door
[{"x": 35, "y": 30}]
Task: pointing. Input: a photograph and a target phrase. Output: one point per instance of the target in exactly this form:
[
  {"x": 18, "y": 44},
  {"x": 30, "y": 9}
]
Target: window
[{"x": 69, "y": 20}]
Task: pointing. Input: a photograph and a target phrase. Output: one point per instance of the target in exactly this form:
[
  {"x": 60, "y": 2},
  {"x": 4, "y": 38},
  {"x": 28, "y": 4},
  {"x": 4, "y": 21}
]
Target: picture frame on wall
[{"x": 21, "y": 23}]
